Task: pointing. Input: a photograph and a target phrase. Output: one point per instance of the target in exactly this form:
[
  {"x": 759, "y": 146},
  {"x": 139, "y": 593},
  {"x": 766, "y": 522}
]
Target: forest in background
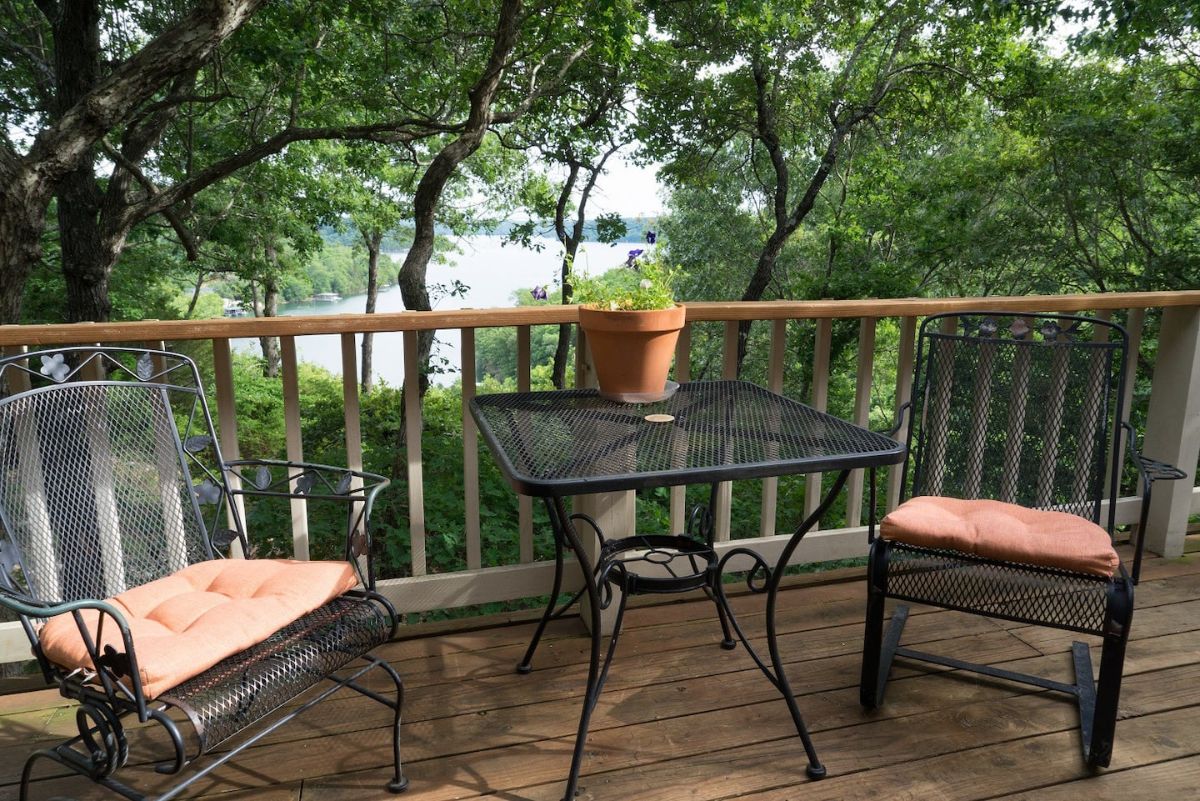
[{"x": 846, "y": 149}]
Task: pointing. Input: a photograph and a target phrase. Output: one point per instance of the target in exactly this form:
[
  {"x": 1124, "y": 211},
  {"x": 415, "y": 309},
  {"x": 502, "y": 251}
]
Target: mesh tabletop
[{"x": 573, "y": 441}]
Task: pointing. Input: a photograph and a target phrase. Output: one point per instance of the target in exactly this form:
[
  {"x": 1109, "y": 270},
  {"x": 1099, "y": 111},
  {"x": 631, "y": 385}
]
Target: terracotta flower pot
[{"x": 632, "y": 350}]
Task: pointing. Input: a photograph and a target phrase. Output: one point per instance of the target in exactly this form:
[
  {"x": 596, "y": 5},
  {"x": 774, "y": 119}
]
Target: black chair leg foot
[
  {"x": 398, "y": 785},
  {"x": 816, "y": 771},
  {"x": 729, "y": 645},
  {"x": 525, "y": 669}
]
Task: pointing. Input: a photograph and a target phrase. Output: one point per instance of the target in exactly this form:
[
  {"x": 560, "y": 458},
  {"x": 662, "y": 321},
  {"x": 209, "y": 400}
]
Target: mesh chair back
[
  {"x": 1018, "y": 408},
  {"x": 103, "y": 470}
]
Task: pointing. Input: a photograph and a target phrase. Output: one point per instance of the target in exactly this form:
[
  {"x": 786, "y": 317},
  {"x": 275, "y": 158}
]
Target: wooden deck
[{"x": 682, "y": 719}]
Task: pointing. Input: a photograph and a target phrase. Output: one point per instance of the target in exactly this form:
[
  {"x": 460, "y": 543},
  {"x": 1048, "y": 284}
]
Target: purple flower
[
  {"x": 651, "y": 237},
  {"x": 539, "y": 293},
  {"x": 633, "y": 254}
]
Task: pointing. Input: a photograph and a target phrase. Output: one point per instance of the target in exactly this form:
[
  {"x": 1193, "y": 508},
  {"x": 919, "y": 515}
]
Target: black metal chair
[
  {"x": 111, "y": 477},
  {"x": 1024, "y": 409}
]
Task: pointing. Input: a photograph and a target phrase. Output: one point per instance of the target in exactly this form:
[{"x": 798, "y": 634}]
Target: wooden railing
[{"x": 1172, "y": 428}]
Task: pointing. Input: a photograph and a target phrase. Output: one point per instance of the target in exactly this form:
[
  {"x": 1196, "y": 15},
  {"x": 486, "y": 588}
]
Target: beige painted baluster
[
  {"x": 724, "y": 506},
  {"x": 44, "y": 574},
  {"x": 1133, "y": 327},
  {"x": 904, "y": 381},
  {"x": 524, "y": 502},
  {"x": 1052, "y": 433},
  {"x": 412, "y": 439},
  {"x": 352, "y": 417},
  {"x": 683, "y": 373},
  {"x": 981, "y": 403},
  {"x": 167, "y": 458},
  {"x": 1086, "y": 435},
  {"x": 770, "y": 487},
  {"x": 862, "y": 412},
  {"x": 470, "y": 451},
  {"x": 820, "y": 402},
  {"x": 937, "y": 408},
  {"x": 227, "y": 421},
  {"x": 295, "y": 444},
  {"x": 1173, "y": 426}
]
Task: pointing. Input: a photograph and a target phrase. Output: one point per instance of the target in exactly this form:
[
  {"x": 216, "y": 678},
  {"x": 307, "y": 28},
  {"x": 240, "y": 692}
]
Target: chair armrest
[
  {"x": 905, "y": 408},
  {"x": 1150, "y": 471},
  {"x": 111, "y": 666},
  {"x": 276, "y": 478}
]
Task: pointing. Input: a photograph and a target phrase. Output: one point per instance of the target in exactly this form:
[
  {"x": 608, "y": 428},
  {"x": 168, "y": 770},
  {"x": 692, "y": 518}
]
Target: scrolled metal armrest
[
  {"x": 1149, "y": 469},
  {"x": 32, "y": 607},
  {"x": 905, "y": 408},
  {"x": 318, "y": 482}
]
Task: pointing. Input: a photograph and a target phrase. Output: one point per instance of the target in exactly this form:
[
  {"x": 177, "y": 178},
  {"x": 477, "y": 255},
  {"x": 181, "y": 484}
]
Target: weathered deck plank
[{"x": 681, "y": 719}]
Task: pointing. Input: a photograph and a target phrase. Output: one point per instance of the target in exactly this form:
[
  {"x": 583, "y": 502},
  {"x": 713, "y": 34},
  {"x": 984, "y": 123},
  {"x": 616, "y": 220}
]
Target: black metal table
[{"x": 573, "y": 442}]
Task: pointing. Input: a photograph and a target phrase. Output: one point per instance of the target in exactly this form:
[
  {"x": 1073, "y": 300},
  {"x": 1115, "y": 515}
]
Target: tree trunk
[
  {"x": 429, "y": 192},
  {"x": 22, "y": 221},
  {"x": 270, "y": 308},
  {"x": 374, "y": 241},
  {"x": 561, "y": 350}
]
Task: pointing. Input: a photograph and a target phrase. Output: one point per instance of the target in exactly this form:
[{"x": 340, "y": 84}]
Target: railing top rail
[{"x": 220, "y": 328}]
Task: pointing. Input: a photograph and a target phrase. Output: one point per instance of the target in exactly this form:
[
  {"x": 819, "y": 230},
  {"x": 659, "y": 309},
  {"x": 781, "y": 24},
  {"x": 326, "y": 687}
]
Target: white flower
[
  {"x": 612, "y": 305},
  {"x": 645, "y": 283}
]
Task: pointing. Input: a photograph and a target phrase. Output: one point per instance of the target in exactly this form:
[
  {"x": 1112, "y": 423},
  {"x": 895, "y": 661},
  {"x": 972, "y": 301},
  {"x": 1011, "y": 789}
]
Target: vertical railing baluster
[
  {"x": 722, "y": 514},
  {"x": 770, "y": 487},
  {"x": 683, "y": 373},
  {"x": 470, "y": 452},
  {"x": 904, "y": 378},
  {"x": 352, "y": 417},
  {"x": 227, "y": 421},
  {"x": 820, "y": 402},
  {"x": 1133, "y": 327},
  {"x": 862, "y": 411},
  {"x": 524, "y": 502},
  {"x": 412, "y": 447},
  {"x": 937, "y": 409},
  {"x": 295, "y": 442}
]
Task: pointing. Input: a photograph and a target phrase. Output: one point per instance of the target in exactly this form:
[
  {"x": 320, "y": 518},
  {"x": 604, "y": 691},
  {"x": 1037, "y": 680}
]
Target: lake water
[{"x": 494, "y": 273}]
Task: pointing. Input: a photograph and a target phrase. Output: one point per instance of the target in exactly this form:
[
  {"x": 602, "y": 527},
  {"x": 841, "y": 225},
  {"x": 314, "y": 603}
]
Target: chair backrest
[
  {"x": 1023, "y": 408},
  {"x": 107, "y": 458}
]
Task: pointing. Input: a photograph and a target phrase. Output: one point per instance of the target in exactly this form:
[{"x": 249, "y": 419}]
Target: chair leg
[
  {"x": 399, "y": 782},
  {"x": 718, "y": 598},
  {"x": 1098, "y": 752},
  {"x": 868, "y": 684}
]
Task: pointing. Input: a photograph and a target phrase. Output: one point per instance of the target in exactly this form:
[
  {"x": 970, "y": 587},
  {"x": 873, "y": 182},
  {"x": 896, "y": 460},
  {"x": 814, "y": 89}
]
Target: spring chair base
[
  {"x": 236, "y": 694},
  {"x": 1097, "y": 745}
]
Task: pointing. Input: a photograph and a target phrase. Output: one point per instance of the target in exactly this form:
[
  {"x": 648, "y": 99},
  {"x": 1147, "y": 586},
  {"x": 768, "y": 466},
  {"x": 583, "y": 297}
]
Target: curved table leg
[
  {"x": 565, "y": 534},
  {"x": 775, "y": 672}
]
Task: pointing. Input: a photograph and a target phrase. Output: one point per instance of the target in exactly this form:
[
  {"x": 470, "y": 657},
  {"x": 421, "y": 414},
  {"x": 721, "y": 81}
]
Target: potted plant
[{"x": 631, "y": 322}]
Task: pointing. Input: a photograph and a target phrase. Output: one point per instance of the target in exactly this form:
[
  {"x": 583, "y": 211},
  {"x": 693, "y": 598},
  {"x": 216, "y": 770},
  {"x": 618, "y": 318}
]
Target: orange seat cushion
[
  {"x": 185, "y": 623},
  {"x": 1003, "y": 531}
]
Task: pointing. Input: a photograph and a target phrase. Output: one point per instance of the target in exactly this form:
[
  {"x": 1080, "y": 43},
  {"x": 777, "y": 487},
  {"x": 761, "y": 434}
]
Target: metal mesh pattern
[
  {"x": 550, "y": 443},
  {"x": 247, "y": 686},
  {"x": 93, "y": 489},
  {"x": 1020, "y": 409},
  {"x": 1075, "y": 601}
]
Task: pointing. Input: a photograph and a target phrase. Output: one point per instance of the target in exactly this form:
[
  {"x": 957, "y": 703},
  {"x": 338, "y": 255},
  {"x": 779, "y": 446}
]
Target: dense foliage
[{"x": 150, "y": 153}]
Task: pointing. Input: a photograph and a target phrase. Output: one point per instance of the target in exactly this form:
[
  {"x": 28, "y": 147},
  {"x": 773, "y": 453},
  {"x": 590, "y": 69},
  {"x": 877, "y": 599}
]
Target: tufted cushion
[
  {"x": 1003, "y": 531},
  {"x": 184, "y": 623}
]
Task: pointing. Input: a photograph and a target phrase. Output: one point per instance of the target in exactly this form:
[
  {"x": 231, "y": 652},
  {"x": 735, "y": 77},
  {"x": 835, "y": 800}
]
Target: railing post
[
  {"x": 1173, "y": 426},
  {"x": 614, "y": 512}
]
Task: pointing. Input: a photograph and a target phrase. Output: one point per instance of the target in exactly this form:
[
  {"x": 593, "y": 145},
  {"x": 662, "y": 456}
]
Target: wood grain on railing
[
  {"x": 820, "y": 402},
  {"x": 471, "y": 528},
  {"x": 295, "y": 444},
  {"x": 770, "y": 489},
  {"x": 221, "y": 328},
  {"x": 683, "y": 373},
  {"x": 524, "y": 502},
  {"x": 413, "y": 459},
  {"x": 864, "y": 372}
]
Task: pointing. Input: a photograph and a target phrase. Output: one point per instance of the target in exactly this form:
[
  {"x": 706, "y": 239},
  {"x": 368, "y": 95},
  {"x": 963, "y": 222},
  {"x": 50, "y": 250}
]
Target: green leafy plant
[{"x": 646, "y": 281}]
